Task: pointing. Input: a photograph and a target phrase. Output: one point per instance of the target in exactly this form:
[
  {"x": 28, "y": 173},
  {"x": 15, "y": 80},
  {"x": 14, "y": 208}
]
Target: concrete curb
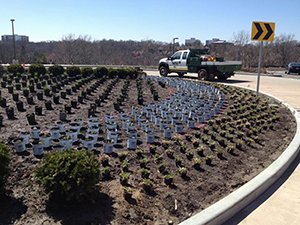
[{"x": 227, "y": 207}]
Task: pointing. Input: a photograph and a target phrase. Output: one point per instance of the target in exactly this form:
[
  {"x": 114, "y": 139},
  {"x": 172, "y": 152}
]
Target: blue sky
[{"x": 159, "y": 20}]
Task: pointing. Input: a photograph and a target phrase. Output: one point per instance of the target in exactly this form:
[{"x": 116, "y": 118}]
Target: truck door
[
  {"x": 175, "y": 61},
  {"x": 182, "y": 64}
]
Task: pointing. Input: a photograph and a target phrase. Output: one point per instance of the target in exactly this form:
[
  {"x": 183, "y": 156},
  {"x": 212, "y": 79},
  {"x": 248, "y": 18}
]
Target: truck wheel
[
  {"x": 180, "y": 74},
  {"x": 202, "y": 74},
  {"x": 163, "y": 71}
]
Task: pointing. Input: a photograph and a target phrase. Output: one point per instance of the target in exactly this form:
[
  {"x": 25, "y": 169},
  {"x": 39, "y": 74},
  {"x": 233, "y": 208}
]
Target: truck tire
[
  {"x": 163, "y": 71},
  {"x": 180, "y": 74},
  {"x": 202, "y": 74}
]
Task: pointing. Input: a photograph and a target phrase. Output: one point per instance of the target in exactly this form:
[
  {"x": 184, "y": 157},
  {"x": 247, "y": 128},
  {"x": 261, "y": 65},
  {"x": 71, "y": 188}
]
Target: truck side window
[
  {"x": 176, "y": 55},
  {"x": 184, "y": 55}
]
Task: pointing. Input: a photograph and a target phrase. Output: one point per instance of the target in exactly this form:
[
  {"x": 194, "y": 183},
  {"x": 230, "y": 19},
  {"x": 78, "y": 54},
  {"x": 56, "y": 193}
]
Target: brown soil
[{"x": 26, "y": 202}]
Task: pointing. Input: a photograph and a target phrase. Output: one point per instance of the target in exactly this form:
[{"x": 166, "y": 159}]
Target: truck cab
[{"x": 176, "y": 63}]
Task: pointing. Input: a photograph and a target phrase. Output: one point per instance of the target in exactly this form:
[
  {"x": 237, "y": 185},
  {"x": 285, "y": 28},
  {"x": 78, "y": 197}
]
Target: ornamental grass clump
[{"x": 70, "y": 174}]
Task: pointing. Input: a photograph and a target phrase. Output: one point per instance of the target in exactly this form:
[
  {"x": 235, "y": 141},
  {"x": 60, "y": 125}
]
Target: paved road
[{"x": 283, "y": 206}]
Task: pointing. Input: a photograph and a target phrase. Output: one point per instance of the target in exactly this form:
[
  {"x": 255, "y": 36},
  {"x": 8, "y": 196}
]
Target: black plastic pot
[
  {"x": 62, "y": 116},
  {"x": 31, "y": 119},
  {"x": 68, "y": 109},
  {"x": 30, "y": 100},
  {"x": 74, "y": 104},
  {"x": 15, "y": 97},
  {"x": 31, "y": 88},
  {"x": 18, "y": 86},
  {"x": 24, "y": 84},
  {"x": 47, "y": 92},
  {"x": 10, "y": 112},
  {"x": 20, "y": 106},
  {"x": 80, "y": 99},
  {"x": 40, "y": 96},
  {"x": 10, "y": 89},
  {"x": 26, "y": 92},
  {"x": 39, "y": 85},
  {"x": 56, "y": 99},
  {"x": 3, "y": 102},
  {"x": 63, "y": 94},
  {"x": 48, "y": 105},
  {"x": 69, "y": 91},
  {"x": 53, "y": 89},
  {"x": 38, "y": 110},
  {"x": 3, "y": 84}
]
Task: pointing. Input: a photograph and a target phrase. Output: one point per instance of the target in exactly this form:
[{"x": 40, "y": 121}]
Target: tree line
[{"x": 83, "y": 50}]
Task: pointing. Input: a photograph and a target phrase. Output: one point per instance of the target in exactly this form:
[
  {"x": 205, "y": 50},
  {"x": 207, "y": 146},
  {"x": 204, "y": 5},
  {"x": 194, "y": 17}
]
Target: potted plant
[
  {"x": 55, "y": 133},
  {"x": 35, "y": 132},
  {"x": 183, "y": 172},
  {"x": 10, "y": 112},
  {"x": 127, "y": 193},
  {"x": 46, "y": 139},
  {"x": 48, "y": 105},
  {"x": 148, "y": 186},
  {"x": 197, "y": 163},
  {"x": 37, "y": 147},
  {"x": 20, "y": 106},
  {"x": 19, "y": 145},
  {"x": 26, "y": 92},
  {"x": 15, "y": 96},
  {"x": 124, "y": 177},
  {"x": 3, "y": 102},
  {"x": 31, "y": 119},
  {"x": 66, "y": 142},
  {"x": 74, "y": 104},
  {"x": 40, "y": 95},
  {"x": 30, "y": 100},
  {"x": 88, "y": 142},
  {"x": 63, "y": 94},
  {"x": 55, "y": 99},
  {"x": 132, "y": 143},
  {"x": 108, "y": 147},
  {"x": 168, "y": 179},
  {"x": 68, "y": 109},
  {"x": 38, "y": 110}
]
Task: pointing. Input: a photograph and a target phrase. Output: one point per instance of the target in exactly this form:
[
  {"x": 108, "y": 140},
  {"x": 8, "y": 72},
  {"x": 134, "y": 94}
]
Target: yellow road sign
[{"x": 262, "y": 31}]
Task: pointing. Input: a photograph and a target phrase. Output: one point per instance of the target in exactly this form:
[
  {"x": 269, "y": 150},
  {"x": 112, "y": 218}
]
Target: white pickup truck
[{"x": 198, "y": 61}]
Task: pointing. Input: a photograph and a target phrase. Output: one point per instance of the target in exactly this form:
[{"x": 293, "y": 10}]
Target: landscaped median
[
  {"x": 232, "y": 204},
  {"x": 166, "y": 147}
]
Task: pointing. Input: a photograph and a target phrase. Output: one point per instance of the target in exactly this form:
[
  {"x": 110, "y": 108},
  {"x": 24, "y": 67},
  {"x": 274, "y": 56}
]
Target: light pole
[
  {"x": 174, "y": 42},
  {"x": 14, "y": 41}
]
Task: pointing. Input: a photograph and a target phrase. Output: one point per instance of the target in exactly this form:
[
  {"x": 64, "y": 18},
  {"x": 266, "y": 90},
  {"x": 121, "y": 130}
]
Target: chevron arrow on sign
[{"x": 262, "y": 31}]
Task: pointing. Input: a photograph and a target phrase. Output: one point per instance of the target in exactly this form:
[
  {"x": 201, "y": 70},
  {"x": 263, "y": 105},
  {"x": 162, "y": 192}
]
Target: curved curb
[{"x": 227, "y": 207}]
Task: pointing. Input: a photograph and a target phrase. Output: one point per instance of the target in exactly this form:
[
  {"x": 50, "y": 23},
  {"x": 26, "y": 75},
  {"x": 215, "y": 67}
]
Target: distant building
[
  {"x": 216, "y": 41},
  {"x": 192, "y": 41},
  {"x": 19, "y": 38}
]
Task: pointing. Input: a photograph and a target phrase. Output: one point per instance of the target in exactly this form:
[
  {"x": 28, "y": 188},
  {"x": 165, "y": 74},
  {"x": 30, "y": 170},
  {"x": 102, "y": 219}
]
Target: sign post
[
  {"x": 261, "y": 31},
  {"x": 259, "y": 66}
]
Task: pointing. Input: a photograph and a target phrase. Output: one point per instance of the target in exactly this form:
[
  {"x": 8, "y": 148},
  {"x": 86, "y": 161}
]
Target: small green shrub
[
  {"x": 112, "y": 73},
  {"x": 101, "y": 71},
  {"x": 37, "y": 68},
  {"x": 15, "y": 68},
  {"x": 4, "y": 165},
  {"x": 71, "y": 174},
  {"x": 56, "y": 70},
  {"x": 87, "y": 71},
  {"x": 72, "y": 71}
]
